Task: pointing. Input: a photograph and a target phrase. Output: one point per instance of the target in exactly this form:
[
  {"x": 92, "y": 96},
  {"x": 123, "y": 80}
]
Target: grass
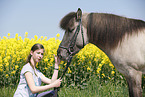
[
  {"x": 7, "y": 91},
  {"x": 93, "y": 89}
]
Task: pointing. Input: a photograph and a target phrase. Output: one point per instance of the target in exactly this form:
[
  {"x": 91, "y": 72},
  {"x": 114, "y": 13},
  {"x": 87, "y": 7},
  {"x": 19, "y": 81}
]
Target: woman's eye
[{"x": 39, "y": 53}]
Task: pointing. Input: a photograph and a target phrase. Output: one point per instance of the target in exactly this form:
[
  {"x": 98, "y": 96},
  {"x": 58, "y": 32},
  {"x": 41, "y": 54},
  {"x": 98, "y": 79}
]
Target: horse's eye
[{"x": 70, "y": 30}]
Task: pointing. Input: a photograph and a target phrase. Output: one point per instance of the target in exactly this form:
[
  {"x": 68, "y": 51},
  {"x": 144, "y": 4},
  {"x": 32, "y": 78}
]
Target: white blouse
[{"x": 23, "y": 89}]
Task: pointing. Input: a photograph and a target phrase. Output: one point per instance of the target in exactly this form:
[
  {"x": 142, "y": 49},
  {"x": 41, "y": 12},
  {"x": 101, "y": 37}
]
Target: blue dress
[{"x": 23, "y": 89}]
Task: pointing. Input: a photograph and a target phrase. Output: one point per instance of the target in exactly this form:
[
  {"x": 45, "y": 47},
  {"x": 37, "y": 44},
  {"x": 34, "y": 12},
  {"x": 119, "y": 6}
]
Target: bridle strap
[
  {"x": 73, "y": 40},
  {"x": 71, "y": 45},
  {"x": 67, "y": 65},
  {"x": 57, "y": 89}
]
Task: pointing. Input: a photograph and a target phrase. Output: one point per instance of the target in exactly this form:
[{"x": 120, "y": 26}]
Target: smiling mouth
[{"x": 39, "y": 59}]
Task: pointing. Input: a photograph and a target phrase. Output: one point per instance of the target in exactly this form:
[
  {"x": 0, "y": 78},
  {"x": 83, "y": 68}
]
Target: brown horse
[{"x": 121, "y": 38}]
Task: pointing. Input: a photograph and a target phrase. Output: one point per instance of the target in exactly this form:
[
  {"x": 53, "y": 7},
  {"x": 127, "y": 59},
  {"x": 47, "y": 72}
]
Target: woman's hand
[
  {"x": 57, "y": 83},
  {"x": 57, "y": 61}
]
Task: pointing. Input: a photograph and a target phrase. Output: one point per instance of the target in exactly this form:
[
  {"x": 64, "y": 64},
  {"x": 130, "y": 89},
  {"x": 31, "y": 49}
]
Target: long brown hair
[{"x": 34, "y": 47}]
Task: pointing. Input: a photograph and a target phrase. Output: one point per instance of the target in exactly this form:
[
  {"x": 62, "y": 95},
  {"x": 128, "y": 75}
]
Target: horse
[{"x": 122, "y": 39}]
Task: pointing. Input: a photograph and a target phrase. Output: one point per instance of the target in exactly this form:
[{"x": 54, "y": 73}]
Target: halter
[{"x": 70, "y": 48}]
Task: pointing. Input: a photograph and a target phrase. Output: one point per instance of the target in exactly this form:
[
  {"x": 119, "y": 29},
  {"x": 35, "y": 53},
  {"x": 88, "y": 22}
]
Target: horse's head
[{"x": 75, "y": 37}]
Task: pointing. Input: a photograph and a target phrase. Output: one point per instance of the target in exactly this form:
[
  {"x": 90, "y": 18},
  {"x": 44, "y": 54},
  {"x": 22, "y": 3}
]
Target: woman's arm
[
  {"x": 49, "y": 81},
  {"x": 45, "y": 80},
  {"x": 55, "y": 74},
  {"x": 36, "y": 89}
]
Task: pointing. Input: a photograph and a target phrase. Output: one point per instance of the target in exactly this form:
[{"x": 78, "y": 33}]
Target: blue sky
[{"x": 42, "y": 17}]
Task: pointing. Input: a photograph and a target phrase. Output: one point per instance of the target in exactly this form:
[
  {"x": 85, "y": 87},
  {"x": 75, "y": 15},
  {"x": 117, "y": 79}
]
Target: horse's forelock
[{"x": 67, "y": 20}]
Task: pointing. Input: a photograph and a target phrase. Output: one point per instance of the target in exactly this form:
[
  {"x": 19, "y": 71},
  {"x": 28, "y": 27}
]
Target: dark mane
[
  {"x": 67, "y": 21},
  {"x": 108, "y": 29}
]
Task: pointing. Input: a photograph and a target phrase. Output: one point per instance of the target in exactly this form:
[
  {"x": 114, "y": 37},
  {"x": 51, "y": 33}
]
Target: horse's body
[{"x": 121, "y": 38}]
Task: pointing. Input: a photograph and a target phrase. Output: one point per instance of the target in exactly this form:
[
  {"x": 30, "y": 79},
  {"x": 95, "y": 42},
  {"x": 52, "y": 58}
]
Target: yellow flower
[
  {"x": 112, "y": 72},
  {"x": 103, "y": 74},
  {"x": 103, "y": 62},
  {"x": 45, "y": 38},
  {"x": 13, "y": 72},
  {"x": 4, "y": 37},
  {"x": 7, "y": 64},
  {"x": 41, "y": 37},
  {"x": 58, "y": 35},
  {"x": 98, "y": 70},
  {"x": 16, "y": 67},
  {"x": 36, "y": 37},
  {"x": 26, "y": 33},
  {"x": 8, "y": 34},
  {"x": 88, "y": 68},
  {"x": 1, "y": 59},
  {"x": 16, "y": 36},
  {"x": 45, "y": 68},
  {"x": 109, "y": 78},
  {"x": 111, "y": 65},
  {"x": 51, "y": 60},
  {"x": 46, "y": 59},
  {"x": 7, "y": 75},
  {"x": 69, "y": 71},
  {"x": 1, "y": 67},
  {"x": 65, "y": 64}
]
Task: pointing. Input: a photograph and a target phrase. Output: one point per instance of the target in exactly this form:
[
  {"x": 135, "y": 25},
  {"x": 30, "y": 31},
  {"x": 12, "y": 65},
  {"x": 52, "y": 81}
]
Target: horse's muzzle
[{"x": 62, "y": 54}]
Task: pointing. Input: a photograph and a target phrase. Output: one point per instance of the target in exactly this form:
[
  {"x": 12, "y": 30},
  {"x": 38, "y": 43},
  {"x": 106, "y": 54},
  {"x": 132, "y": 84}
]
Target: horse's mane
[
  {"x": 105, "y": 29},
  {"x": 108, "y": 29}
]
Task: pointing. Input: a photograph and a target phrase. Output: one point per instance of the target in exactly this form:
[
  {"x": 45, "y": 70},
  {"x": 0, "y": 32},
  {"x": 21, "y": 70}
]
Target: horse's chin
[{"x": 63, "y": 58}]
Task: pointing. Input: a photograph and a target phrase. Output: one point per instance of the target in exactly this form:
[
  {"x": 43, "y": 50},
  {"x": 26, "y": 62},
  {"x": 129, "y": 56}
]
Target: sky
[{"x": 42, "y": 17}]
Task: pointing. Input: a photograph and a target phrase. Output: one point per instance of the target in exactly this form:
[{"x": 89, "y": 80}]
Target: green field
[
  {"x": 90, "y": 74},
  {"x": 92, "y": 89}
]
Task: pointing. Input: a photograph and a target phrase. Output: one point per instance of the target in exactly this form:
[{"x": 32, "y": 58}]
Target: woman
[{"x": 30, "y": 77}]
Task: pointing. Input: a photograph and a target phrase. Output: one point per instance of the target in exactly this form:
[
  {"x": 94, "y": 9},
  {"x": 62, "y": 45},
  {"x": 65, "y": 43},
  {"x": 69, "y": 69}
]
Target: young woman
[{"x": 30, "y": 77}]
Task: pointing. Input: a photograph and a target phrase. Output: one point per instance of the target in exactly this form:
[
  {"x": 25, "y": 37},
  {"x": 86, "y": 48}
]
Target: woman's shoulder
[{"x": 27, "y": 67}]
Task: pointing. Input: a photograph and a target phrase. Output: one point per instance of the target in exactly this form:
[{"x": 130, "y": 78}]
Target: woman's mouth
[{"x": 39, "y": 59}]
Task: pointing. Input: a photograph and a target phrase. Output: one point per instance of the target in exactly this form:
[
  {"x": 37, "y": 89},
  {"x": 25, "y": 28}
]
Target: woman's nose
[{"x": 40, "y": 55}]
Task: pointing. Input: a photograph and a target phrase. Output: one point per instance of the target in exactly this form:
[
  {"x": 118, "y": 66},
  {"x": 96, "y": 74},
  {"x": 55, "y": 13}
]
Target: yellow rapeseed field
[{"x": 14, "y": 51}]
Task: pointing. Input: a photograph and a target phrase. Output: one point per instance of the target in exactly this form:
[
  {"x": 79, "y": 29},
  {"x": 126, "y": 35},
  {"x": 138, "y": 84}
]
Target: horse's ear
[{"x": 79, "y": 14}]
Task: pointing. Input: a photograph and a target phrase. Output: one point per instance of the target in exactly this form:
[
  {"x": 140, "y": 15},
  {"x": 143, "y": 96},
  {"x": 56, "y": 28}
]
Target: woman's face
[{"x": 37, "y": 55}]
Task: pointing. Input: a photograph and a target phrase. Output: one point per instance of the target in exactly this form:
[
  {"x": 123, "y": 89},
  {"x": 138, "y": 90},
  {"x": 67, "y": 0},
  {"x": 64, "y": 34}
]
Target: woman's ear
[{"x": 31, "y": 53}]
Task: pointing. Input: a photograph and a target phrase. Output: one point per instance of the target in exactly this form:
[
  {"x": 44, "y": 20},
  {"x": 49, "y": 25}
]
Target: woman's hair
[{"x": 34, "y": 47}]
